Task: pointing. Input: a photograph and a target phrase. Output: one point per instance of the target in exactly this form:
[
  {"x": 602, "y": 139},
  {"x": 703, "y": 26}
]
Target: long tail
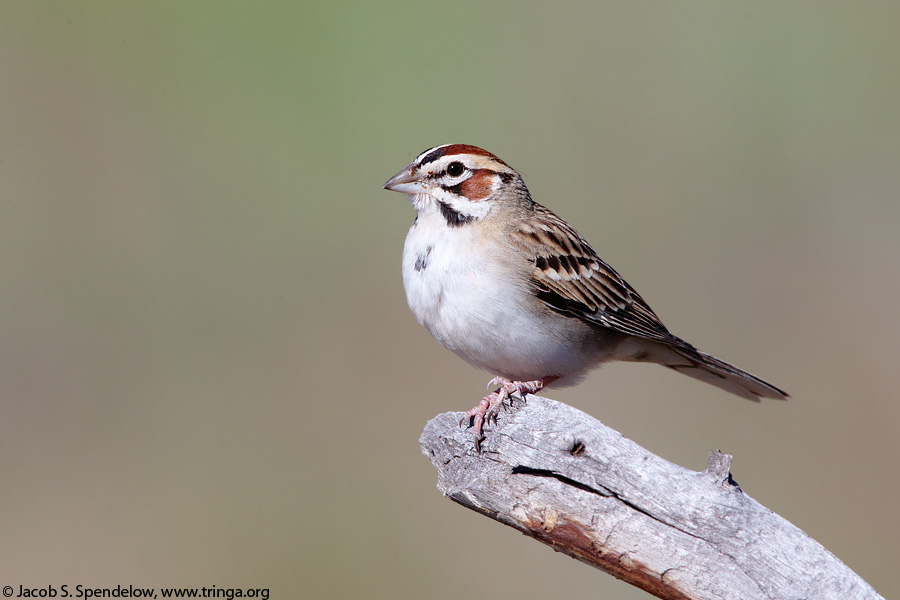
[{"x": 699, "y": 365}]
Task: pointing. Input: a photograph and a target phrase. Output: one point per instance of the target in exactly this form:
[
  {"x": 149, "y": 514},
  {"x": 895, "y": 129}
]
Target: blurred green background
[{"x": 208, "y": 371}]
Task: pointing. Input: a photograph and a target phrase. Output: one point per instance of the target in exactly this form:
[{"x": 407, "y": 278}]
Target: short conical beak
[{"x": 406, "y": 182}]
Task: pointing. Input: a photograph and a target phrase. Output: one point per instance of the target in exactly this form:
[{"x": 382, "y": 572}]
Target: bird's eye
[{"x": 455, "y": 169}]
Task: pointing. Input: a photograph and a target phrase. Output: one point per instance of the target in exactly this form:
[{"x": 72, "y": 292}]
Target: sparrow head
[{"x": 464, "y": 182}]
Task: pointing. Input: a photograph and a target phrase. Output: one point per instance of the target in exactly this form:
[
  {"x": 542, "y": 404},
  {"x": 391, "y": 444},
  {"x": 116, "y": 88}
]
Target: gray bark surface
[{"x": 562, "y": 477}]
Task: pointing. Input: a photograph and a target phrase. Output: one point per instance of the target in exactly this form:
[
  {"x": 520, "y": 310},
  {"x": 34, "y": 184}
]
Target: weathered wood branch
[{"x": 565, "y": 479}]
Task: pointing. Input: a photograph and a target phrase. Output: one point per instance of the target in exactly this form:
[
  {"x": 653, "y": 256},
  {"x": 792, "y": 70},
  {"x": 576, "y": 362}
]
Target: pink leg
[{"x": 489, "y": 407}]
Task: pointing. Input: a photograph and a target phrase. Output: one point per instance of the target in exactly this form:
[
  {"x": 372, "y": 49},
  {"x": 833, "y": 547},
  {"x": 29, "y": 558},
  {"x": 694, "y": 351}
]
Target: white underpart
[{"x": 469, "y": 302}]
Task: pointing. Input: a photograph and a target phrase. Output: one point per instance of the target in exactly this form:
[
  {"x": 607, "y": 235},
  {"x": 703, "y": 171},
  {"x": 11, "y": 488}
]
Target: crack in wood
[{"x": 523, "y": 470}]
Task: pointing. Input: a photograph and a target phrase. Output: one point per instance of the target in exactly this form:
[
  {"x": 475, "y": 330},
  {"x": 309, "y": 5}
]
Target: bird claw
[
  {"x": 488, "y": 409},
  {"x": 496, "y": 381}
]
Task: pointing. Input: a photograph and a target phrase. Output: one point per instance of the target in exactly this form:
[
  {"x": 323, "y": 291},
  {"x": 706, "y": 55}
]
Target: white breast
[
  {"x": 472, "y": 300},
  {"x": 448, "y": 289}
]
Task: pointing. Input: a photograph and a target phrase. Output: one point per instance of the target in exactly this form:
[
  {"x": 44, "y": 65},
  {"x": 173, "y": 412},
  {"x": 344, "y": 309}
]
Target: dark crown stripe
[{"x": 456, "y": 149}]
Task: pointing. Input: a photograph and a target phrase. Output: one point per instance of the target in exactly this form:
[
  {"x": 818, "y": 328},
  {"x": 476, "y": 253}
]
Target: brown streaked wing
[{"x": 571, "y": 279}]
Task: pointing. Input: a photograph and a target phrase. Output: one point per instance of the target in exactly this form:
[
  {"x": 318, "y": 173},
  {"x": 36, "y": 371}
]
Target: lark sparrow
[{"x": 513, "y": 289}]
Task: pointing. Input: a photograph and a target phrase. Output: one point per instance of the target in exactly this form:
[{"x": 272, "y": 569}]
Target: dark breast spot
[{"x": 422, "y": 259}]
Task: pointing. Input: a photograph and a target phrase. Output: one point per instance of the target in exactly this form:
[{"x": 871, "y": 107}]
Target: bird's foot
[{"x": 489, "y": 407}]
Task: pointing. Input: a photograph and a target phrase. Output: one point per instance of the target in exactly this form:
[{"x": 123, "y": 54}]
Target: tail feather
[
  {"x": 721, "y": 374},
  {"x": 725, "y": 375},
  {"x": 686, "y": 359}
]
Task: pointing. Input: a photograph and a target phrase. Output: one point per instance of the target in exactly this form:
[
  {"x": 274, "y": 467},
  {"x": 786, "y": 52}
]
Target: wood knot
[
  {"x": 549, "y": 519},
  {"x": 577, "y": 448}
]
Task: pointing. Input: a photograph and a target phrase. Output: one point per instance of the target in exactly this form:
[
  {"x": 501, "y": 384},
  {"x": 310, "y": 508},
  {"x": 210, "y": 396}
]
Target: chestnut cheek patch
[{"x": 479, "y": 186}]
